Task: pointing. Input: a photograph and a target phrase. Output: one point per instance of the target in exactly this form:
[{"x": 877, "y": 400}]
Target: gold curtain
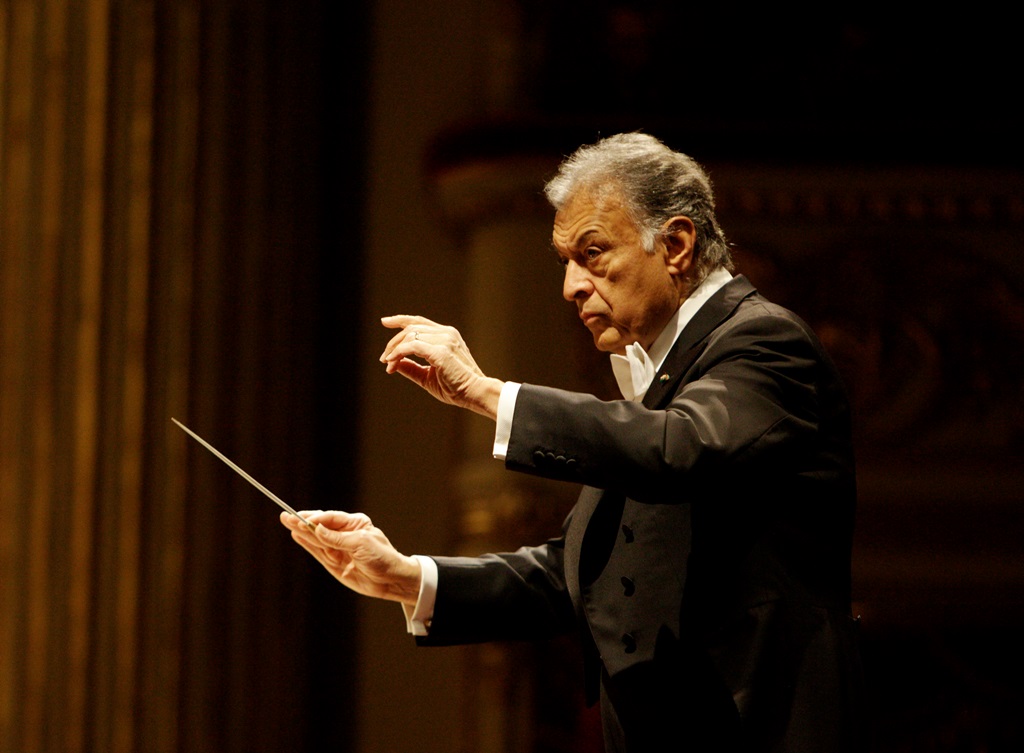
[
  {"x": 157, "y": 258},
  {"x": 75, "y": 207}
]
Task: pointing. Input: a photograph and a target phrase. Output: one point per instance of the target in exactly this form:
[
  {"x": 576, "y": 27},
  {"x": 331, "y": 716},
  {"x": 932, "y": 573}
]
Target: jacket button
[
  {"x": 628, "y": 586},
  {"x": 544, "y": 459},
  {"x": 629, "y": 642},
  {"x": 627, "y": 532}
]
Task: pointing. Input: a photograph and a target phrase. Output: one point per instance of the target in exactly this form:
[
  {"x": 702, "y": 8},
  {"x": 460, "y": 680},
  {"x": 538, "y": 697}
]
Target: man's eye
[{"x": 592, "y": 253}]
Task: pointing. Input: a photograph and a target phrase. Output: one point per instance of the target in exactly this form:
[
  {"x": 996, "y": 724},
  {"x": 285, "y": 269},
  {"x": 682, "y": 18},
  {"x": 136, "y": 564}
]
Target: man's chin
[{"x": 609, "y": 342}]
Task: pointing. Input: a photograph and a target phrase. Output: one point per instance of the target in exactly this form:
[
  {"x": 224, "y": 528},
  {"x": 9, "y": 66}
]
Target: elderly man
[{"x": 706, "y": 565}]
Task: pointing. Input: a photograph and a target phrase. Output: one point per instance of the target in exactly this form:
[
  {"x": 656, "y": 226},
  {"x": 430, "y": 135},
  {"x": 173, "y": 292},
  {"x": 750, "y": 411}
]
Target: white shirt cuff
[
  {"x": 417, "y": 620},
  {"x": 506, "y": 408}
]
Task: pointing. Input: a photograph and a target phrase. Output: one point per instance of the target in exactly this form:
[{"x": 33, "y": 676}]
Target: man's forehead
[{"x": 585, "y": 213}]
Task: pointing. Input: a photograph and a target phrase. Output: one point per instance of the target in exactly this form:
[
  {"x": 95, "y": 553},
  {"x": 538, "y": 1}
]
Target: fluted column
[{"x": 519, "y": 328}]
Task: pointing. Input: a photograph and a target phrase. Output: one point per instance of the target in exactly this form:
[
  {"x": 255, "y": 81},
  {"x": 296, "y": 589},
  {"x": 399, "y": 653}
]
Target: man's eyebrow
[{"x": 582, "y": 240}]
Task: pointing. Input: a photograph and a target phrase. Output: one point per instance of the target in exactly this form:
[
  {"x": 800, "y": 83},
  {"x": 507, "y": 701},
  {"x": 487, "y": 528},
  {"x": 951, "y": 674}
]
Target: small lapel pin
[{"x": 664, "y": 378}]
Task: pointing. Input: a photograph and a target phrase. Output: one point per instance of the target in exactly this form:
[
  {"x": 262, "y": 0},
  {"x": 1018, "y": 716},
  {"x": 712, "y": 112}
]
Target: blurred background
[{"x": 207, "y": 205}]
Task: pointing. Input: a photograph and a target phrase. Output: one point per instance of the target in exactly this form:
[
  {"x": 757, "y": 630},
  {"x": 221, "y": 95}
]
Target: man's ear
[{"x": 679, "y": 236}]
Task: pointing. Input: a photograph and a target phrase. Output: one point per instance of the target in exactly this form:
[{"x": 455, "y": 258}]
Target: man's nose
[{"x": 576, "y": 283}]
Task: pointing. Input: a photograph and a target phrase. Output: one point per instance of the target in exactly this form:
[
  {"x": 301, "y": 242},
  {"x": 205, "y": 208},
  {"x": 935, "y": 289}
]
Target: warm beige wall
[
  {"x": 434, "y": 67},
  {"x": 424, "y": 73}
]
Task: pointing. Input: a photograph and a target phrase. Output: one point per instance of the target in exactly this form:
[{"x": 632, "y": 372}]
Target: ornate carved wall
[{"x": 913, "y": 276}]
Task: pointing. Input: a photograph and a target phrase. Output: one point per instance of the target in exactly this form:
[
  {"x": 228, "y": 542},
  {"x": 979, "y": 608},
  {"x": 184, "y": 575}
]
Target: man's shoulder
[
  {"x": 748, "y": 305},
  {"x": 762, "y": 325}
]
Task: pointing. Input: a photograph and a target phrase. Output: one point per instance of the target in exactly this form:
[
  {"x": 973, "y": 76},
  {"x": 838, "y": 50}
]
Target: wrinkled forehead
[{"x": 585, "y": 213}]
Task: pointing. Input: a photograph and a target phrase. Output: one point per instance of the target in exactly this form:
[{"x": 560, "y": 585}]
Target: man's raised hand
[{"x": 448, "y": 371}]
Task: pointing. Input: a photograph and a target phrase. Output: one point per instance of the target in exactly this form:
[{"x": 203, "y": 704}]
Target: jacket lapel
[{"x": 691, "y": 340}]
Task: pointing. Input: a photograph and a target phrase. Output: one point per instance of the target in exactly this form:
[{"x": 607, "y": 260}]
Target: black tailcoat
[{"x": 706, "y": 563}]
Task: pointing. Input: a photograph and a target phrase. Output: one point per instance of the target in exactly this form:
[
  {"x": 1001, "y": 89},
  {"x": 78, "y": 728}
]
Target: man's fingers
[
  {"x": 291, "y": 522},
  {"x": 413, "y": 371},
  {"x": 404, "y": 323},
  {"x": 401, "y": 321},
  {"x": 346, "y": 540},
  {"x": 339, "y": 520},
  {"x": 415, "y": 341},
  {"x": 396, "y": 321},
  {"x": 311, "y": 546},
  {"x": 415, "y": 330},
  {"x": 327, "y": 537},
  {"x": 406, "y": 350},
  {"x": 397, "y": 340}
]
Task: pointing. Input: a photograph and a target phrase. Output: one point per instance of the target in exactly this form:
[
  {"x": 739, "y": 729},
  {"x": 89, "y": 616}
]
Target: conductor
[{"x": 706, "y": 565}]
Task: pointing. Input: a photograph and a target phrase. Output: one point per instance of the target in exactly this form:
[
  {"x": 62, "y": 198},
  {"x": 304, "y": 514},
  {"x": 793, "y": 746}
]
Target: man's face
[{"x": 623, "y": 294}]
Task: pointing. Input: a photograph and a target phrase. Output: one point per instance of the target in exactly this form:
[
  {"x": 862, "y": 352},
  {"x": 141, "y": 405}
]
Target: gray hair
[{"x": 654, "y": 183}]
